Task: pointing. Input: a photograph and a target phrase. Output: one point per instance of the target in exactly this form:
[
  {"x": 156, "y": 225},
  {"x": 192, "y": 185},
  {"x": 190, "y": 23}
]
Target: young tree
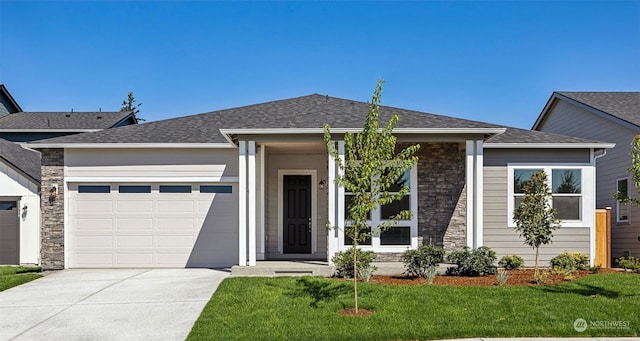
[
  {"x": 634, "y": 170},
  {"x": 130, "y": 105},
  {"x": 535, "y": 218},
  {"x": 370, "y": 167}
]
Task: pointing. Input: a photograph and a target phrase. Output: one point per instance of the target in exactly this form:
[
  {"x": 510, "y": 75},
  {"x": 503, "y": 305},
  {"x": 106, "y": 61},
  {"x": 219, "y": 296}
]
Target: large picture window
[
  {"x": 622, "y": 208},
  {"x": 566, "y": 184},
  {"x": 397, "y": 236}
]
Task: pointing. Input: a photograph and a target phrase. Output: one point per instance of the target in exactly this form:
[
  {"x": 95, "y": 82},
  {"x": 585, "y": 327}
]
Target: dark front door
[
  {"x": 297, "y": 214},
  {"x": 9, "y": 233}
]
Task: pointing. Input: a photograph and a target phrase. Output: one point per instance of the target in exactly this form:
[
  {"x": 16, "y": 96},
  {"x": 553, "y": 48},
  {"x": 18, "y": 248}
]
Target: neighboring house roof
[
  {"x": 624, "y": 106},
  {"x": 63, "y": 121},
  {"x": 22, "y": 159},
  {"x": 306, "y": 114},
  {"x": 9, "y": 100}
]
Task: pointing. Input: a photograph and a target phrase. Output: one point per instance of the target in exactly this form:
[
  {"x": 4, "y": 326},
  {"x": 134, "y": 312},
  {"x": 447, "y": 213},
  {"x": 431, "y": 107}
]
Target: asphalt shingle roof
[
  {"x": 28, "y": 161},
  {"x": 62, "y": 120},
  {"x": 311, "y": 111},
  {"x": 623, "y": 105}
]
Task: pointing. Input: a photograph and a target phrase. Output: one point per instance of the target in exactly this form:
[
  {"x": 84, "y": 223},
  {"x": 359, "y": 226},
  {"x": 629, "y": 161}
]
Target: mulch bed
[
  {"x": 516, "y": 277},
  {"x": 352, "y": 312}
]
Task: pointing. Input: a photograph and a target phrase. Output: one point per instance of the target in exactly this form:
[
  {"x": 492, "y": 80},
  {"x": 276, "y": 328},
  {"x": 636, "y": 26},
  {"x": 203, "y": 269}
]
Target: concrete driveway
[{"x": 123, "y": 304}]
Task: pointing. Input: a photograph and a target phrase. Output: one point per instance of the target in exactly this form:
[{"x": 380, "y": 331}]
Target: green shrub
[
  {"x": 595, "y": 269},
  {"x": 567, "y": 263},
  {"x": 582, "y": 260},
  {"x": 475, "y": 262},
  {"x": 511, "y": 262},
  {"x": 631, "y": 263},
  {"x": 417, "y": 261},
  {"x": 563, "y": 263},
  {"x": 431, "y": 273},
  {"x": 502, "y": 276},
  {"x": 344, "y": 263}
]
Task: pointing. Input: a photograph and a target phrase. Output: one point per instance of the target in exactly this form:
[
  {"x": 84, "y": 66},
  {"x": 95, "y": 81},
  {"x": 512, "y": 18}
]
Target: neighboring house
[
  {"x": 256, "y": 183},
  {"x": 20, "y": 169},
  {"x": 604, "y": 116},
  {"x": 19, "y": 204}
]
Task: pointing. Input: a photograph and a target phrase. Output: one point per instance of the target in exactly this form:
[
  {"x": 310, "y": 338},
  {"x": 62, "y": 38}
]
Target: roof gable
[
  {"x": 8, "y": 105},
  {"x": 622, "y": 107},
  {"x": 24, "y": 160}
]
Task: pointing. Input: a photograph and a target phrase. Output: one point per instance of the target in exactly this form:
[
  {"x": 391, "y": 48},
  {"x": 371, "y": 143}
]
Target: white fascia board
[
  {"x": 267, "y": 131},
  {"x": 48, "y": 130},
  {"x": 128, "y": 145},
  {"x": 489, "y": 145}
]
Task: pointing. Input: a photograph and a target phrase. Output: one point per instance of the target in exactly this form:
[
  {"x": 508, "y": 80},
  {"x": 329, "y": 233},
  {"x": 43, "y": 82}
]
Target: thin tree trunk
[
  {"x": 355, "y": 276},
  {"x": 535, "y": 272}
]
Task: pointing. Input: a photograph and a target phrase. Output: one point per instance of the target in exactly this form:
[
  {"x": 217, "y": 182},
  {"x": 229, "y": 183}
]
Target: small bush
[
  {"x": 567, "y": 263},
  {"x": 631, "y": 263},
  {"x": 431, "y": 273},
  {"x": 595, "y": 269},
  {"x": 502, "y": 276},
  {"x": 582, "y": 260},
  {"x": 475, "y": 262},
  {"x": 417, "y": 261},
  {"x": 511, "y": 262},
  {"x": 344, "y": 263}
]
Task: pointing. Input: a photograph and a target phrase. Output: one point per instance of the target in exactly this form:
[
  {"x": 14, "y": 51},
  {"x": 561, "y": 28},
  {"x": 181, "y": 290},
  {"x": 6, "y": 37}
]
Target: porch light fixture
[
  {"x": 322, "y": 183},
  {"x": 53, "y": 192},
  {"x": 25, "y": 208}
]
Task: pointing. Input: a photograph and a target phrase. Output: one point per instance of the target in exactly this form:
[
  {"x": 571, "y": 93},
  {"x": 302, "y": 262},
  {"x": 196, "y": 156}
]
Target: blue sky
[{"x": 495, "y": 61}]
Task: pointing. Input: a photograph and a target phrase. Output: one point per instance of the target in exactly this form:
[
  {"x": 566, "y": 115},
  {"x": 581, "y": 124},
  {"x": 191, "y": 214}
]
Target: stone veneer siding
[
  {"x": 442, "y": 198},
  {"x": 52, "y": 232}
]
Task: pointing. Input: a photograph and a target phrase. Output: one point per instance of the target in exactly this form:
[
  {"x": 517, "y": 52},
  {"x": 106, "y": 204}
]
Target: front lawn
[
  {"x": 305, "y": 308},
  {"x": 11, "y": 276}
]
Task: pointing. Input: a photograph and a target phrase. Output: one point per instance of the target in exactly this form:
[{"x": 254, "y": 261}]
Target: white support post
[
  {"x": 470, "y": 184},
  {"x": 479, "y": 195},
  {"x": 252, "y": 203},
  {"x": 242, "y": 203},
  {"x": 263, "y": 156},
  {"x": 332, "y": 239},
  {"x": 340, "y": 199}
]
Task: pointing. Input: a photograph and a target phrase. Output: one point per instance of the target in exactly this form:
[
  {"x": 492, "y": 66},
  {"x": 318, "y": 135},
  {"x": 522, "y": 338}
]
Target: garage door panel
[
  {"x": 135, "y": 258},
  {"x": 175, "y": 224},
  {"x": 175, "y": 206},
  {"x": 93, "y": 224},
  {"x": 93, "y": 259},
  {"x": 135, "y": 241},
  {"x": 94, "y": 206},
  {"x": 185, "y": 241},
  {"x": 152, "y": 229},
  {"x": 133, "y": 224},
  {"x": 137, "y": 206},
  {"x": 95, "y": 241}
]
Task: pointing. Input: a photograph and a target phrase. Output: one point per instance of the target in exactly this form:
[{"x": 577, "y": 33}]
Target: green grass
[
  {"x": 11, "y": 276},
  {"x": 289, "y": 308}
]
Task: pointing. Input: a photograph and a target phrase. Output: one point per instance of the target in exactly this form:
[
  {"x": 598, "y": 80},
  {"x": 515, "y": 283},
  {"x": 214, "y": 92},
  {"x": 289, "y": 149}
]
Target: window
[
  {"x": 7, "y": 205},
  {"x": 94, "y": 189},
  {"x": 215, "y": 189},
  {"x": 175, "y": 189},
  {"x": 399, "y": 236},
  {"x": 567, "y": 190},
  {"x": 622, "y": 208},
  {"x": 134, "y": 189}
]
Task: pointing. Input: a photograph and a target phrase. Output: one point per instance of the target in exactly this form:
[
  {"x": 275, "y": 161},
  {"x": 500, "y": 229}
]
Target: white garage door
[{"x": 152, "y": 225}]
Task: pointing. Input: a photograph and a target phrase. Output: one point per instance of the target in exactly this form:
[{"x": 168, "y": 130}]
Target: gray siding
[
  {"x": 568, "y": 119},
  {"x": 298, "y": 161},
  {"x": 502, "y": 238},
  {"x": 502, "y": 157}
]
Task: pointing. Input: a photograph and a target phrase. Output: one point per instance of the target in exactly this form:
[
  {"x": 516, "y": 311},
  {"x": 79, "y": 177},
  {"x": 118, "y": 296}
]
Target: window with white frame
[
  {"x": 399, "y": 235},
  {"x": 622, "y": 208},
  {"x": 565, "y": 182}
]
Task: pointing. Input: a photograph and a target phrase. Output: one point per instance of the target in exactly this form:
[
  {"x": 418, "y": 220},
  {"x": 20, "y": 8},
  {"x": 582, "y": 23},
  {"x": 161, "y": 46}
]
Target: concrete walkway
[{"x": 123, "y": 304}]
